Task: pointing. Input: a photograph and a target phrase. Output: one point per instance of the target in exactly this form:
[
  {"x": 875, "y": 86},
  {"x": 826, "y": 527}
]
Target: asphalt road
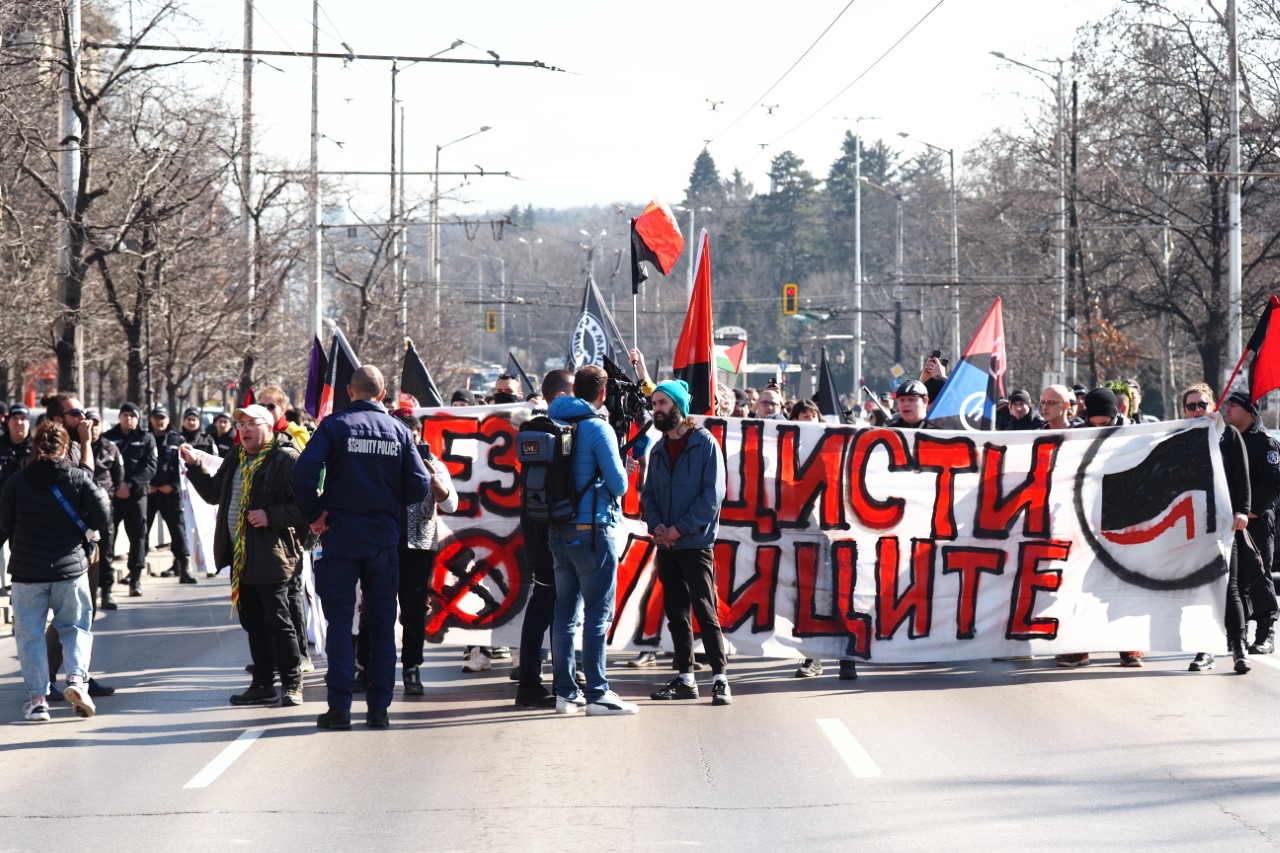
[{"x": 978, "y": 756}]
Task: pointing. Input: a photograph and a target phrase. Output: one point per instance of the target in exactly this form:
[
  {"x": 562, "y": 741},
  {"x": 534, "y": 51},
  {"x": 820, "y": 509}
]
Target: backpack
[{"x": 545, "y": 449}]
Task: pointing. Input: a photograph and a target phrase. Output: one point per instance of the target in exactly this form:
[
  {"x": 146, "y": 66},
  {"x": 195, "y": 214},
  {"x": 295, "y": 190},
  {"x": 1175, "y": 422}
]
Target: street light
[
  {"x": 693, "y": 239},
  {"x": 955, "y": 244},
  {"x": 1059, "y": 329},
  {"x": 435, "y": 214},
  {"x": 857, "y": 254}
]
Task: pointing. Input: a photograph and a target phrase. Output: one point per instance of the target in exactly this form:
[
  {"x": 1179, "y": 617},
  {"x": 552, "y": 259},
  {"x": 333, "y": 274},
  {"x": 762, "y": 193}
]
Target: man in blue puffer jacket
[
  {"x": 584, "y": 552},
  {"x": 682, "y": 495}
]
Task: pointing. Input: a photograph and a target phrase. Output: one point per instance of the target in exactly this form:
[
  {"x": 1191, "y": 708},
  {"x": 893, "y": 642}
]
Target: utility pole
[
  {"x": 1234, "y": 331},
  {"x": 69, "y": 288},
  {"x": 857, "y": 256},
  {"x": 393, "y": 242},
  {"x": 246, "y": 199},
  {"x": 313, "y": 182}
]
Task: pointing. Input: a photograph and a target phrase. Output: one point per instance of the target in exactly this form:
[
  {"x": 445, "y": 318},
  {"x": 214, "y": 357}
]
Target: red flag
[
  {"x": 655, "y": 238},
  {"x": 695, "y": 359},
  {"x": 968, "y": 399},
  {"x": 1264, "y": 375}
]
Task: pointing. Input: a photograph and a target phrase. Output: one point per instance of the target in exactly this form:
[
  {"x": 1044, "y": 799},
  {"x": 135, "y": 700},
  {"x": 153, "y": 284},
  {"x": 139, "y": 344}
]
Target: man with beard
[{"x": 683, "y": 490}]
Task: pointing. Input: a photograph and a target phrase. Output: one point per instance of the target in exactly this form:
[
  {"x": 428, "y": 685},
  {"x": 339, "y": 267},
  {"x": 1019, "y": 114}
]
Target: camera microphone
[{"x": 641, "y": 446}]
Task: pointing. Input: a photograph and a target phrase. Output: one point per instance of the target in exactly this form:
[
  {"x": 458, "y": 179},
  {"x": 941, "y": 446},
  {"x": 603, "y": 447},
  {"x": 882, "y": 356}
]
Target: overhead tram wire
[
  {"x": 864, "y": 73},
  {"x": 751, "y": 107}
]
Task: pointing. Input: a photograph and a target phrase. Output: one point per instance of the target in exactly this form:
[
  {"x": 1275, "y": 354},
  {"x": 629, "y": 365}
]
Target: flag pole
[{"x": 1227, "y": 388}]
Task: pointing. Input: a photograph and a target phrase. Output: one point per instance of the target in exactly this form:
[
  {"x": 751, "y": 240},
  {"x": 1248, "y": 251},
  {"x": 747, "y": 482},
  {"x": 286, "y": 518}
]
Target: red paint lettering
[
  {"x": 871, "y": 512},
  {"x": 753, "y": 599},
  {"x": 947, "y": 456},
  {"x": 801, "y": 486},
  {"x": 748, "y": 509},
  {"x": 895, "y": 605},
  {"x": 1022, "y": 625},
  {"x": 998, "y": 511},
  {"x": 969, "y": 564}
]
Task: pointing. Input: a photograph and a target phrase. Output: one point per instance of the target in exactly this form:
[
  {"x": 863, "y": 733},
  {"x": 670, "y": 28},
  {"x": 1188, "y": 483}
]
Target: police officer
[
  {"x": 1264, "y": 487},
  {"x": 15, "y": 444},
  {"x": 194, "y": 436},
  {"x": 164, "y": 496},
  {"x": 371, "y": 470},
  {"x": 138, "y": 450},
  {"x": 108, "y": 473}
]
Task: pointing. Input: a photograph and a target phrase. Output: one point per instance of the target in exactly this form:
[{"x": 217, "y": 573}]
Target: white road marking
[
  {"x": 848, "y": 748},
  {"x": 225, "y": 759}
]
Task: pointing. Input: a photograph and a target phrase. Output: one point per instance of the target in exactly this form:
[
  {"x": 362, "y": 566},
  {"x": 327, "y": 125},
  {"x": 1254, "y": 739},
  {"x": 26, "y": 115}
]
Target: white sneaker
[
  {"x": 477, "y": 661},
  {"x": 78, "y": 695},
  {"x": 308, "y": 665},
  {"x": 609, "y": 705},
  {"x": 570, "y": 706},
  {"x": 36, "y": 712}
]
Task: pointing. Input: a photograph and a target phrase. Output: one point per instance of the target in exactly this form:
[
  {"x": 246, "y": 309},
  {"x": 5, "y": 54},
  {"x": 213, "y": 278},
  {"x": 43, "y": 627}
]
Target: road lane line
[
  {"x": 225, "y": 759},
  {"x": 848, "y": 748}
]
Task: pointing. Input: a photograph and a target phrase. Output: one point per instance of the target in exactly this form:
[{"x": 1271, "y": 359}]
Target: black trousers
[
  {"x": 1257, "y": 586},
  {"x": 133, "y": 512},
  {"x": 170, "y": 509},
  {"x": 265, "y": 617},
  {"x": 297, "y": 614},
  {"x": 416, "y": 567},
  {"x": 106, "y": 576},
  {"x": 689, "y": 584},
  {"x": 540, "y": 609}
]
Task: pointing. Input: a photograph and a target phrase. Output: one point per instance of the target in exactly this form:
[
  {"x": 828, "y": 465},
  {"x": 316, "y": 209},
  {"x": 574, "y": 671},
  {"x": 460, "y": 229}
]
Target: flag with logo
[
  {"x": 694, "y": 360},
  {"x": 968, "y": 399},
  {"x": 596, "y": 335}
]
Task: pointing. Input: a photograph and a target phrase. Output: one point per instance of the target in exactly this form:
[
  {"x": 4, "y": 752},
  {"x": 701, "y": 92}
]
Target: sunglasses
[
  {"x": 1196, "y": 407},
  {"x": 74, "y": 413}
]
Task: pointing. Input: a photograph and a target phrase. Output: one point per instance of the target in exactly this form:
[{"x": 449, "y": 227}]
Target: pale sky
[{"x": 633, "y": 112}]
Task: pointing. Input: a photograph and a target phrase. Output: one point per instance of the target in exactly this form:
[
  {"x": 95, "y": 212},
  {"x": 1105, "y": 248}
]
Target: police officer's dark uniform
[
  {"x": 138, "y": 450},
  {"x": 371, "y": 469},
  {"x": 108, "y": 473},
  {"x": 169, "y": 504},
  {"x": 11, "y": 453},
  {"x": 1264, "y": 487}
]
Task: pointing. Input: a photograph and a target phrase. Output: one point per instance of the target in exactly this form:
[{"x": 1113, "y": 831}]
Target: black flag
[
  {"x": 827, "y": 399},
  {"x": 517, "y": 370},
  {"x": 342, "y": 365},
  {"x": 415, "y": 380},
  {"x": 596, "y": 335}
]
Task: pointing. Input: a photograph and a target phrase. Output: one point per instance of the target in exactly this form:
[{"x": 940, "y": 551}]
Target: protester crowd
[{"x": 360, "y": 493}]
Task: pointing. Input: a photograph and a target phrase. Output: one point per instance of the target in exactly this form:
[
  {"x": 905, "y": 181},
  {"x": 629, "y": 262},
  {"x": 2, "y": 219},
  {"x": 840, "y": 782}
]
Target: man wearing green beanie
[{"x": 681, "y": 500}]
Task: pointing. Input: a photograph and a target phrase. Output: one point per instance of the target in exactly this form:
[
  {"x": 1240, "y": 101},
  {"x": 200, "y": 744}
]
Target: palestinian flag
[
  {"x": 342, "y": 365},
  {"x": 968, "y": 399},
  {"x": 415, "y": 381},
  {"x": 694, "y": 360},
  {"x": 730, "y": 358},
  {"x": 314, "y": 399},
  {"x": 655, "y": 238}
]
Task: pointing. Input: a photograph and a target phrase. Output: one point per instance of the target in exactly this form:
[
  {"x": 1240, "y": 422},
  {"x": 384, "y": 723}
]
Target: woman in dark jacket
[{"x": 48, "y": 510}]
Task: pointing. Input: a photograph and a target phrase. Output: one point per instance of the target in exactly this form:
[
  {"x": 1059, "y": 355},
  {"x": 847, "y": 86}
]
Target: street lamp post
[
  {"x": 1060, "y": 364},
  {"x": 435, "y": 215},
  {"x": 857, "y": 256},
  {"x": 955, "y": 245}
]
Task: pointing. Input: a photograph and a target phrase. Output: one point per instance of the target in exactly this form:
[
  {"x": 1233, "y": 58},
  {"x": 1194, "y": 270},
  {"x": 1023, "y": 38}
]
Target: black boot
[
  {"x": 108, "y": 600},
  {"x": 1241, "y": 656},
  {"x": 135, "y": 583},
  {"x": 1265, "y": 643},
  {"x": 184, "y": 570}
]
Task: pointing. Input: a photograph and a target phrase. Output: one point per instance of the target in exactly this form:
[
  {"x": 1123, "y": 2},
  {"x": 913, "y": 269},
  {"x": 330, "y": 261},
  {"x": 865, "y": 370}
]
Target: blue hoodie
[
  {"x": 595, "y": 458},
  {"x": 688, "y": 496}
]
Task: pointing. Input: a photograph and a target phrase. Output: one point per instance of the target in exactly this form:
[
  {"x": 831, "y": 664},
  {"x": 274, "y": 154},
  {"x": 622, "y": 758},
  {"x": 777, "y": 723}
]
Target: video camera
[{"x": 625, "y": 401}]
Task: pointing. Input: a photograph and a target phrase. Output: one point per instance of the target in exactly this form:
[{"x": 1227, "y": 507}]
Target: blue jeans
[
  {"x": 72, "y": 607},
  {"x": 378, "y": 572},
  {"x": 586, "y": 564}
]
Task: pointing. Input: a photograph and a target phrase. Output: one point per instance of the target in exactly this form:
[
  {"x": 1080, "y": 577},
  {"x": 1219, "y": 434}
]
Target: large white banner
[{"x": 889, "y": 545}]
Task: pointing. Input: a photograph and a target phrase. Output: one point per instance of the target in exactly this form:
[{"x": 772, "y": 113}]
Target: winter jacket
[
  {"x": 45, "y": 543},
  {"x": 689, "y": 495},
  {"x": 272, "y": 553},
  {"x": 371, "y": 469},
  {"x": 138, "y": 449},
  {"x": 11, "y": 456},
  {"x": 597, "y": 467},
  {"x": 108, "y": 466},
  {"x": 168, "y": 472},
  {"x": 200, "y": 441},
  {"x": 419, "y": 530}
]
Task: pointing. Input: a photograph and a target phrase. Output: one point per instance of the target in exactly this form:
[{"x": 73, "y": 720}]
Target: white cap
[{"x": 254, "y": 413}]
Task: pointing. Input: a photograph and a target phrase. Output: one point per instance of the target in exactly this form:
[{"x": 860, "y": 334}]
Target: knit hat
[
  {"x": 1241, "y": 399},
  {"x": 1099, "y": 402},
  {"x": 1020, "y": 396},
  {"x": 189, "y": 411},
  {"x": 129, "y": 408},
  {"x": 464, "y": 397},
  {"x": 678, "y": 391}
]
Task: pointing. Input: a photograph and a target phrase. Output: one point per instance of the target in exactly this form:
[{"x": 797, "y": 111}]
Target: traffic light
[
  {"x": 491, "y": 321},
  {"x": 790, "y": 298}
]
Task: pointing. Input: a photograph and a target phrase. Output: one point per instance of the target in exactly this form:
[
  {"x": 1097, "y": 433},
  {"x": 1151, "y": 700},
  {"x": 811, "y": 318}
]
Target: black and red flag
[
  {"x": 1264, "y": 343},
  {"x": 968, "y": 399},
  {"x": 655, "y": 238},
  {"x": 313, "y": 400},
  {"x": 695, "y": 355},
  {"x": 342, "y": 365},
  {"x": 415, "y": 381}
]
